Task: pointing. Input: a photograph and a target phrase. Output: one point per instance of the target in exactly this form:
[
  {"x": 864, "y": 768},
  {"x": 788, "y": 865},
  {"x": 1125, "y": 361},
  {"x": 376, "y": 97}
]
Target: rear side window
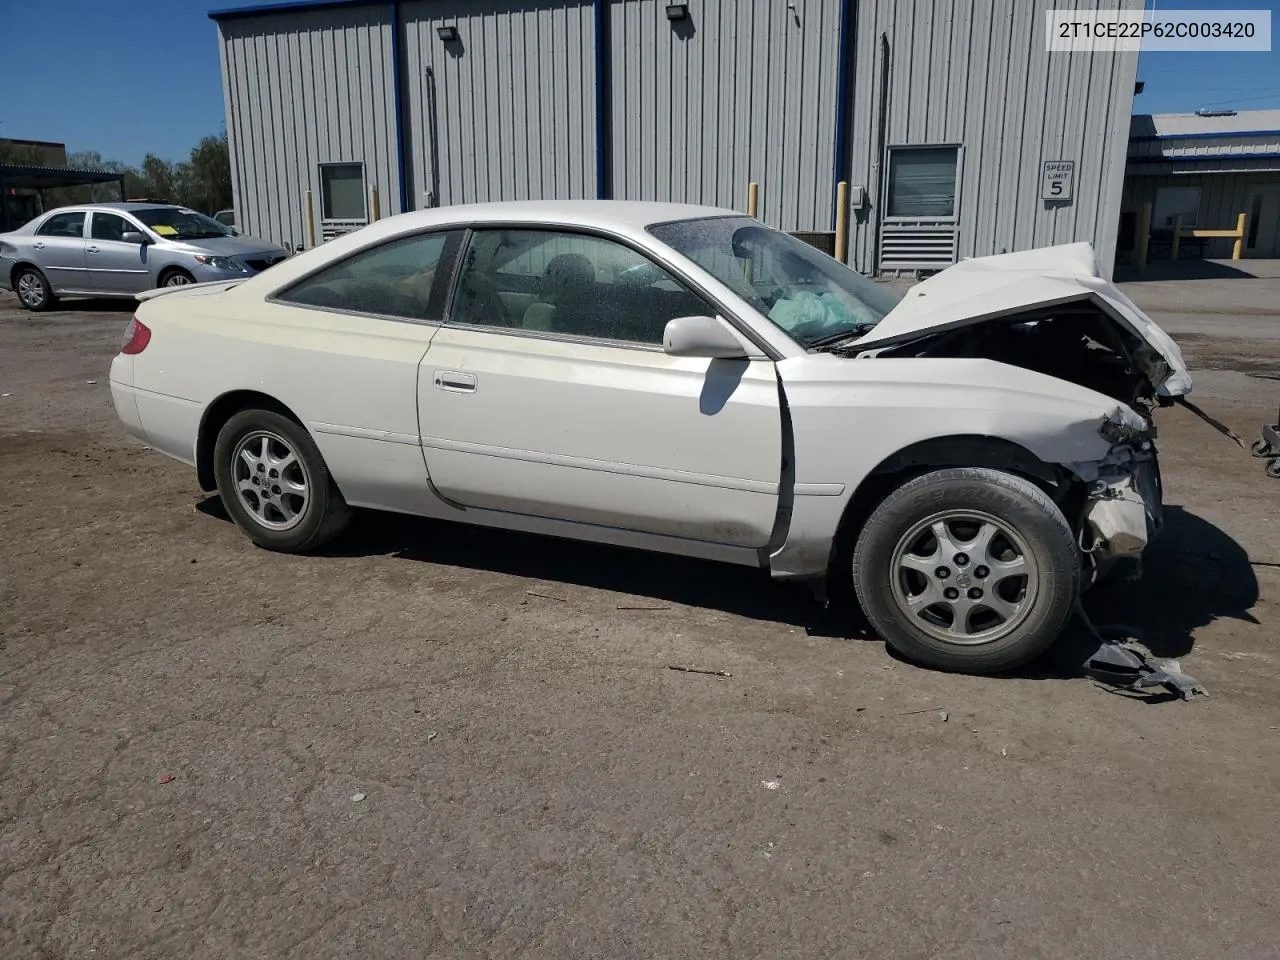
[
  {"x": 405, "y": 278},
  {"x": 63, "y": 225}
]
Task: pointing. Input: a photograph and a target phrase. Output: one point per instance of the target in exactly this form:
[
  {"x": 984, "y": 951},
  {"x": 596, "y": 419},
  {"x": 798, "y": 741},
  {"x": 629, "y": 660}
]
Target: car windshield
[
  {"x": 813, "y": 298},
  {"x": 177, "y": 223}
]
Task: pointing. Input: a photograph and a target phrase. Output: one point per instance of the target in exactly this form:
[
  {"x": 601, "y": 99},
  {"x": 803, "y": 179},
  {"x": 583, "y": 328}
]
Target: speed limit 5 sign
[{"x": 1059, "y": 177}]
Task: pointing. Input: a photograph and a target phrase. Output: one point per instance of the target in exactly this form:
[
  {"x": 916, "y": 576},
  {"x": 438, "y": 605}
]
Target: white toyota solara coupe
[{"x": 685, "y": 380}]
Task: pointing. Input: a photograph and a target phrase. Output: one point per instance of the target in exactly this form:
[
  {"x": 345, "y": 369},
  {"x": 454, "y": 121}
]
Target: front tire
[
  {"x": 970, "y": 570},
  {"x": 33, "y": 290},
  {"x": 274, "y": 483},
  {"x": 176, "y": 277}
]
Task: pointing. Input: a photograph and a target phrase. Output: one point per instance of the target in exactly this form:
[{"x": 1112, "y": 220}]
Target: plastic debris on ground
[{"x": 1125, "y": 664}]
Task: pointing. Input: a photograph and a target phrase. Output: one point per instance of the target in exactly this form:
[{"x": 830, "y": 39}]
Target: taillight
[{"x": 136, "y": 337}]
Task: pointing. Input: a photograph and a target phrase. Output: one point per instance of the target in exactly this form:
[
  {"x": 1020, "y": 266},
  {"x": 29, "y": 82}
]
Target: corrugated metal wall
[
  {"x": 1223, "y": 197},
  {"x": 304, "y": 89},
  {"x": 698, "y": 108},
  {"x": 738, "y": 92},
  {"x": 977, "y": 74},
  {"x": 508, "y": 109}
]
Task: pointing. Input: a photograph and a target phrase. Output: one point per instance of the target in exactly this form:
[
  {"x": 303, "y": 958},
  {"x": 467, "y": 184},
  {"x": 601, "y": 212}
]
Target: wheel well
[
  {"x": 939, "y": 453},
  {"x": 171, "y": 270},
  {"x": 215, "y": 418},
  {"x": 21, "y": 265}
]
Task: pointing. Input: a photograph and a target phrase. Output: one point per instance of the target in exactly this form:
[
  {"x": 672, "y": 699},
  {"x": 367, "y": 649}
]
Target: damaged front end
[
  {"x": 1122, "y": 508},
  {"x": 1052, "y": 311}
]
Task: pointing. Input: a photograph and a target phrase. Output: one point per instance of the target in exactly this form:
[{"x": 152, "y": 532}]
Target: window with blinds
[{"x": 922, "y": 182}]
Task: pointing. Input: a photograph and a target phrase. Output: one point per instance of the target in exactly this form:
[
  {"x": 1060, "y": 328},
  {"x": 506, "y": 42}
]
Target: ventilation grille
[
  {"x": 336, "y": 228},
  {"x": 917, "y": 247}
]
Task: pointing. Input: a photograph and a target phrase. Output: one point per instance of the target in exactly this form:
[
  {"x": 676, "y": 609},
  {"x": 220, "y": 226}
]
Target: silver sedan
[{"x": 121, "y": 249}]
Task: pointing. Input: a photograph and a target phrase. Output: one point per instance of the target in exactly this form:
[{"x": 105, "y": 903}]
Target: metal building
[
  {"x": 1204, "y": 171},
  {"x": 958, "y": 133}
]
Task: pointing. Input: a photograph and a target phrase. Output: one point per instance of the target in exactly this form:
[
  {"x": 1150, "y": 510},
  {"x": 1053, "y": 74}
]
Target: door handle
[
  {"x": 39, "y": 244},
  {"x": 92, "y": 249},
  {"x": 455, "y": 382}
]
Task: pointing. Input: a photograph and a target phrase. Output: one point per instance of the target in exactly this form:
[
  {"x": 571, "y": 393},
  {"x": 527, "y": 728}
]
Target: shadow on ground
[
  {"x": 1193, "y": 574},
  {"x": 89, "y": 305},
  {"x": 1191, "y": 269}
]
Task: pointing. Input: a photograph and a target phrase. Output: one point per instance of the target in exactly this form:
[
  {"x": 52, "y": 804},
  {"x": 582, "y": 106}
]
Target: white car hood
[{"x": 987, "y": 288}]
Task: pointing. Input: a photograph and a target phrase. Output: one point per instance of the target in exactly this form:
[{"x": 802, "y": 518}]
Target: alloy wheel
[
  {"x": 271, "y": 481},
  {"x": 31, "y": 290},
  {"x": 964, "y": 577}
]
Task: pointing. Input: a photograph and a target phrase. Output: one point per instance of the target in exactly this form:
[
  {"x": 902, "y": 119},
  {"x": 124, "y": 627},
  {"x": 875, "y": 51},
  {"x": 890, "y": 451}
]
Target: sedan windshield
[
  {"x": 177, "y": 223},
  {"x": 813, "y": 298}
]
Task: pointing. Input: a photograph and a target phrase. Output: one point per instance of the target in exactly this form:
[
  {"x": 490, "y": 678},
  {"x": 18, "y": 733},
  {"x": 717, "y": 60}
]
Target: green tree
[
  {"x": 202, "y": 182},
  {"x": 208, "y": 175}
]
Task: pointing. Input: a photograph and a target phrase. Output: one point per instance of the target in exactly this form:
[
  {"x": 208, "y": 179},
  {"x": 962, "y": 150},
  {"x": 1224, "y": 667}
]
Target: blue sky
[
  {"x": 146, "y": 73},
  {"x": 1178, "y": 82}
]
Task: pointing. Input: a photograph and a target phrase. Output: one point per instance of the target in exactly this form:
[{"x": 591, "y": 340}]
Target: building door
[{"x": 1262, "y": 229}]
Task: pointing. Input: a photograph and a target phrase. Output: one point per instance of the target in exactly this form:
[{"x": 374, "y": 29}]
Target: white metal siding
[
  {"x": 738, "y": 92},
  {"x": 514, "y": 113},
  {"x": 304, "y": 89},
  {"x": 976, "y": 73}
]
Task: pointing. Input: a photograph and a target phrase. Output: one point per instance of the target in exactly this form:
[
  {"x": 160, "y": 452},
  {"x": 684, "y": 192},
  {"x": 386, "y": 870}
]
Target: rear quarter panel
[{"x": 351, "y": 380}]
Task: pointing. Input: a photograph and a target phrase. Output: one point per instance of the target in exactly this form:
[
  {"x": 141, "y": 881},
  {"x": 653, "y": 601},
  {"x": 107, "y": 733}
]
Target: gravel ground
[{"x": 186, "y": 724}]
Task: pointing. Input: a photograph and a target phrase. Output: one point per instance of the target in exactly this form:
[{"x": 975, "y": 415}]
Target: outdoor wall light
[
  {"x": 677, "y": 11},
  {"x": 449, "y": 34}
]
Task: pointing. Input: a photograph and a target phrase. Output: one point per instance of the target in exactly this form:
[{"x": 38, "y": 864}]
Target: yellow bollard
[
  {"x": 374, "y": 210},
  {"x": 753, "y": 198},
  {"x": 1238, "y": 249},
  {"x": 311, "y": 219}
]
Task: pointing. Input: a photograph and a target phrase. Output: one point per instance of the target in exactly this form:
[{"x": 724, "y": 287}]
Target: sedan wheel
[
  {"x": 33, "y": 290},
  {"x": 967, "y": 569},
  {"x": 271, "y": 482},
  {"x": 964, "y": 577},
  {"x": 275, "y": 484},
  {"x": 177, "y": 279}
]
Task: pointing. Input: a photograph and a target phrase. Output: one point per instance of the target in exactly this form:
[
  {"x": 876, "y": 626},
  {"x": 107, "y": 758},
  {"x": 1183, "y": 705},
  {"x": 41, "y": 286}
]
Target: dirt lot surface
[{"x": 537, "y": 783}]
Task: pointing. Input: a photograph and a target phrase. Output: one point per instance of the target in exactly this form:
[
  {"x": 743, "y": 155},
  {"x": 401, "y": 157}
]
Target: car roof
[
  {"x": 118, "y": 205},
  {"x": 607, "y": 214}
]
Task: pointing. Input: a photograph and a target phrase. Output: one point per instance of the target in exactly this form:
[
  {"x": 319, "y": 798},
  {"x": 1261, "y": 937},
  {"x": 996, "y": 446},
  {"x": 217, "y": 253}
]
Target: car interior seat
[{"x": 564, "y": 296}]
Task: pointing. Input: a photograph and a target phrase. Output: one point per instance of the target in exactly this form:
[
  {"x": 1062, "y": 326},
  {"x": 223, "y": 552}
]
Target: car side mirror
[
  {"x": 133, "y": 236},
  {"x": 701, "y": 337}
]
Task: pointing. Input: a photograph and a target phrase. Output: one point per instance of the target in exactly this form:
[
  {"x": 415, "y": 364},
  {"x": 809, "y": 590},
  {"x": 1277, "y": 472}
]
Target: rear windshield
[{"x": 177, "y": 223}]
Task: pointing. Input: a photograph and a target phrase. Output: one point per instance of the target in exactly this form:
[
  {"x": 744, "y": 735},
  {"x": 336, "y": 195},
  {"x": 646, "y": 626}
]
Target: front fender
[{"x": 851, "y": 415}]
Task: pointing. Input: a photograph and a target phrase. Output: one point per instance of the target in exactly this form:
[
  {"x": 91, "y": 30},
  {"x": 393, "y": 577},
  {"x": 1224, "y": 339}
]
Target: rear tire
[
  {"x": 970, "y": 570},
  {"x": 274, "y": 483},
  {"x": 33, "y": 290}
]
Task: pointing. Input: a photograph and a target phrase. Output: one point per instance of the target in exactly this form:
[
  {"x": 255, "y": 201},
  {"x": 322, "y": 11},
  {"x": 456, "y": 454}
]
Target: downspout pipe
[
  {"x": 397, "y": 106},
  {"x": 844, "y": 96},
  {"x": 604, "y": 188}
]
